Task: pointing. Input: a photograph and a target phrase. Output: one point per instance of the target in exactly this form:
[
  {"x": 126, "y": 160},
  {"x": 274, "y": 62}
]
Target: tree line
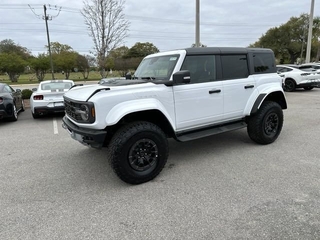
[
  {"x": 289, "y": 40},
  {"x": 15, "y": 60}
]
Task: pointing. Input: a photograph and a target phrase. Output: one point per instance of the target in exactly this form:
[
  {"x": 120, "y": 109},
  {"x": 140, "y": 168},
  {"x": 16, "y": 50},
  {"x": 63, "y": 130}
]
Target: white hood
[{"x": 83, "y": 93}]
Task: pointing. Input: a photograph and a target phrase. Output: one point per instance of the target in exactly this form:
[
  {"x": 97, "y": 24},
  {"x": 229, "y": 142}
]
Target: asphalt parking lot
[{"x": 221, "y": 187}]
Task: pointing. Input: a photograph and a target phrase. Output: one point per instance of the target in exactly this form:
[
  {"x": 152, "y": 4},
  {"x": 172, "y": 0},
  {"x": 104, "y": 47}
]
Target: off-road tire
[
  {"x": 265, "y": 126},
  {"x": 289, "y": 85},
  {"x": 134, "y": 146}
]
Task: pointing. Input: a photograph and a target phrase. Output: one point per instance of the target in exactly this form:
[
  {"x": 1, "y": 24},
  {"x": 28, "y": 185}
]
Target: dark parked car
[{"x": 11, "y": 102}]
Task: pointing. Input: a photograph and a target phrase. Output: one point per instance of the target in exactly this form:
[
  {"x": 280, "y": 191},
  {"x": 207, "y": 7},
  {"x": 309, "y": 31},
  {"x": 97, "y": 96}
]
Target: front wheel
[
  {"x": 14, "y": 116},
  {"x": 265, "y": 126},
  {"x": 138, "y": 152}
]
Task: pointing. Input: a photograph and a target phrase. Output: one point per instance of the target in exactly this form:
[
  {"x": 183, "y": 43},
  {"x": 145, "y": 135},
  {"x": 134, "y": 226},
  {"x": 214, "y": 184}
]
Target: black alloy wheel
[
  {"x": 138, "y": 152},
  {"x": 143, "y": 155},
  {"x": 289, "y": 85}
]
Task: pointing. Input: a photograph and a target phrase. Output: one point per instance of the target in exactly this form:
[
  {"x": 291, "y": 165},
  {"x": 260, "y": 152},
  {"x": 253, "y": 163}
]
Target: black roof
[{"x": 225, "y": 50}]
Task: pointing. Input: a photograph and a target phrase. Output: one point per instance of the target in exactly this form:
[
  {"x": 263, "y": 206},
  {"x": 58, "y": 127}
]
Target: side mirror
[
  {"x": 34, "y": 89},
  {"x": 181, "y": 77}
]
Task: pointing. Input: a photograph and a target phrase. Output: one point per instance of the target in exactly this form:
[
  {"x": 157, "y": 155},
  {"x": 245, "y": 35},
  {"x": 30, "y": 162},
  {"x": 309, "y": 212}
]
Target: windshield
[{"x": 156, "y": 68}]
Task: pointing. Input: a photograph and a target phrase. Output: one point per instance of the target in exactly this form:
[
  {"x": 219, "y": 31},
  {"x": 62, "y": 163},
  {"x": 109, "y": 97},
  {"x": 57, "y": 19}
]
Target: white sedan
[
  {"x": 48, "y": 98},
  {"x": 296, "y": 78}
]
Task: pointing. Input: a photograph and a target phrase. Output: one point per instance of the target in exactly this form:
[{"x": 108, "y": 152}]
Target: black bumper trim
[
  {"x": 44, "y": 110},
  {"x": 94, "y": 138}
]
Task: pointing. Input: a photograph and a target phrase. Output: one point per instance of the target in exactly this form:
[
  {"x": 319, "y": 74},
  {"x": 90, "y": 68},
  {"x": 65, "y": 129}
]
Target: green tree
[
  {"x": 288, "y": 41},
  {"x": 57, "y": 48},
  {"x": 124, "y": 65},
  {"x": 8, "y": 46},
  {"x": 117, "y": 56},
  {"x": 82, "y": 64},
  {"x": 13, "y": 64},
  {"x": 65, "y": 61},
  {"x": 141, "y": 50},
  {"x": 40, "y": 65},
  {"x": 119, "y": 52}
]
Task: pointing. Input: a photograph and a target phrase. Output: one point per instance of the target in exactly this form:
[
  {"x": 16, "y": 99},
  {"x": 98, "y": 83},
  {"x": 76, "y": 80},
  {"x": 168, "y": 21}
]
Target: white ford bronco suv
[{"x": 183, "y": 94}]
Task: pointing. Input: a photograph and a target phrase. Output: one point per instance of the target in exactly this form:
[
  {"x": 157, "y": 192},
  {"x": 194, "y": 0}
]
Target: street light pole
[
  {"x": 197, "y": 23},
  {"x": 310, "y": 32},
  {"x": 49, "y": 48}
]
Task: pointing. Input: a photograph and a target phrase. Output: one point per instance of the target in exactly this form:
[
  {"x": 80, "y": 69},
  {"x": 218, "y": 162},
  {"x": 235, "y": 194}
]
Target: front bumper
[
  {"x": 4, "y": 114},
  {"x": 88, "y": 137}
]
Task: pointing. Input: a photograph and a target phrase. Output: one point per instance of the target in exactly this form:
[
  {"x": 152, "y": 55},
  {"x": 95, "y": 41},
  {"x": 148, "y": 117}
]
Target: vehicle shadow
[{"x": 94, "y": 165}]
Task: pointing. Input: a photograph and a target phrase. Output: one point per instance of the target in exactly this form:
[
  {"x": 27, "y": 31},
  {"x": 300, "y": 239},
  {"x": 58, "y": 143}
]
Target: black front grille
[
  {"x": 73, "y": 110},
  {"x": 70, "y": 108}
]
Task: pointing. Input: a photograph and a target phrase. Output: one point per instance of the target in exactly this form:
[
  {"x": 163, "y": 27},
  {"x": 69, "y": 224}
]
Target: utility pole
[
  {"x": 48, "y": 38},
  {"x": 46, "y": 18},
  {"x": 310, "y": 32},
  {"x": 197, "y": 23}
]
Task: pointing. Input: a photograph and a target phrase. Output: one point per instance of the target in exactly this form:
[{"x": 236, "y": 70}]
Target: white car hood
[{"x": 83, "y": 93}]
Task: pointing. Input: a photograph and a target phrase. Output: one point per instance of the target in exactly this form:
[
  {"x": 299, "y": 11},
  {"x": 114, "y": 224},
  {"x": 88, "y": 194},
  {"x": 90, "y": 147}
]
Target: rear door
[{"x": 238, "y": 85}]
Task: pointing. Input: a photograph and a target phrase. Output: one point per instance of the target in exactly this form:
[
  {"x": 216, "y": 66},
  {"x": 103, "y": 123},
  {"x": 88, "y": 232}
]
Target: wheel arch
[
  {"x": 154, "y": 116},
  {"x": 277, "y": 97},
  {"x": 290, "y": 78}
]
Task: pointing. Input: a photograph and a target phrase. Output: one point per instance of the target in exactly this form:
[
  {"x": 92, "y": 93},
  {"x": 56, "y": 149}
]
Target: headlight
[{"x": 84, "y": 112}]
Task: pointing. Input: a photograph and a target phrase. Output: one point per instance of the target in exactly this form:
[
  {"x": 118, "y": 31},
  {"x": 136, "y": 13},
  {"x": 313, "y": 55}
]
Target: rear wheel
[
  {"x": 289, "y": 85},
  {"x": 34, "y": 115},
  {"x": 265, "y": 126},
  {"x": 138, "y": 152}
]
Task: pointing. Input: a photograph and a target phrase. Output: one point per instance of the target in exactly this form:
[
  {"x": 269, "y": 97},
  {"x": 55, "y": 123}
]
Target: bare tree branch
[{"x": 107, "y": 27}]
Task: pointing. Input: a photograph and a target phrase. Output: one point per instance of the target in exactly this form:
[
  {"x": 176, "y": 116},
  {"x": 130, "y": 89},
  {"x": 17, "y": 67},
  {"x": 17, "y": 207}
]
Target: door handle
[
  {"x": 248, "y": 86},
  {"x": 214, "y": 91}
]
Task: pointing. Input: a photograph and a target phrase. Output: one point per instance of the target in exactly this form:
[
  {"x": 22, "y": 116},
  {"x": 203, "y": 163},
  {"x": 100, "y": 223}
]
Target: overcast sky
[{"x": 168, "y": 24}]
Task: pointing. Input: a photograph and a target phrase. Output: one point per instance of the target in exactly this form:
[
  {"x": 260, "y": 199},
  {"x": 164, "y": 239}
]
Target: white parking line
[{"x": 55, "y": 126}]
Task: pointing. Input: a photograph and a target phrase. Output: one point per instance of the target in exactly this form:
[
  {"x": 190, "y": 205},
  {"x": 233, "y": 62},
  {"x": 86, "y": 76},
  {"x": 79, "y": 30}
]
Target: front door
[{"x": 199, "y": 103}]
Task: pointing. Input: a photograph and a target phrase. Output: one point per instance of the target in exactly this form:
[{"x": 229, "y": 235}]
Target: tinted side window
[
  {"x": 202, "y": 68},
  {"x": 283, "y": 69},
  {"x": 263, "y": 63},
  {"x": 234, "y": 66}
]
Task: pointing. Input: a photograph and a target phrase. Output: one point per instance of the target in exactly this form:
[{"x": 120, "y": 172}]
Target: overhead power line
[
  {"x": 143, "y": 18},
  {"x": 47, "y": 17}
]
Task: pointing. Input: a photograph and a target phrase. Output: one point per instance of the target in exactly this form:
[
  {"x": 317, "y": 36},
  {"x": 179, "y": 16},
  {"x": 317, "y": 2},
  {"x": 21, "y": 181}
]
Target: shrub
[{"x": 26, "y": 93}]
